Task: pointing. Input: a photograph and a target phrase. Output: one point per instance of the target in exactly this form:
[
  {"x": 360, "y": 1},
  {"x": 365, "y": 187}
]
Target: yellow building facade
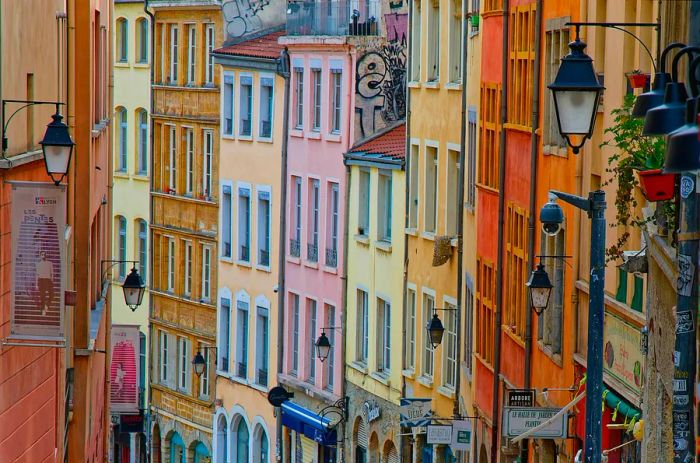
[{"x": 184, "y": 208}]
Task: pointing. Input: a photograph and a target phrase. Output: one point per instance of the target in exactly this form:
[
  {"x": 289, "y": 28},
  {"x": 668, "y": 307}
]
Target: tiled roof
[
  {"x": 391, "y": 144},
  {"x": 264, "y": 46}
]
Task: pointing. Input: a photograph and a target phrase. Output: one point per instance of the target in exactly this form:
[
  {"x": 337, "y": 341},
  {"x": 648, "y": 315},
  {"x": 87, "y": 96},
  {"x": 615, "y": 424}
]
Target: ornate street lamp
[
  {"x": 57, "y": 146},
  {"x": 323, "y": 347},
  {"x": 134, "y": 289},
  {"x": 435, "y": 331},
  {"x": 540, "y": 288}
]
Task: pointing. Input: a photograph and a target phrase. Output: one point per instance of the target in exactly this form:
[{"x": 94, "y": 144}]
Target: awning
[{"x": 311, "y": 424}]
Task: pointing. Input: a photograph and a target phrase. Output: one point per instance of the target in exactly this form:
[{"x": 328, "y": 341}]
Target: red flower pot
[
  {"x": 637, "y": 80},
  {"x": 657, "y": 186}
]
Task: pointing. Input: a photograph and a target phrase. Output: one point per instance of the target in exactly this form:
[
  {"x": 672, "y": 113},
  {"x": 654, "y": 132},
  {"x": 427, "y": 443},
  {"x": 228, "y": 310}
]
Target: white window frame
[
  {"x": 191, "y": 53},
  {"x": 451, "y": 189},
  {"x": 207, "y": 163},
  {"x": 204, "y": 382},
  {"x": 316, "y": 97},
  {"x": 171, "y": 264},
  {"x": 189, "y": 264},
  {"x": 245, "y": 79},
  {"x": 262, "y": 311},
  {"x": 385, "y": 205},
  {"x": 189, "y": 161},
  {"x": 239, "y": 242},
  {"x": 383, "y": 355},
  {"x": 336, "y": 93},
  {"x": 164, "y": 352},
  {"x": 414, "y": 168},
  {"x": 224, "y": 345},
  {"x": 242, "y": 341},
  {"x": 206, "y": 273},
  {"x": 174, "y": 50},
  {"x": 362, "y": 351},
  {"x": 450, "y": 339},
  {"x": 314, "y": 238},
  {"x": 365, "y": 188},
  {"x": 226, "y": 184},
  {"x": 264, "y": 190},
  {"x": 172, "y": 178},
  {"x": 263, "y": 80},
  {"x": 296, "y": 334},
  {"x": 210, "y": 37},
  {"x": 298, "y": 97},
  {"x": 142, "y": 164},
  {"x": 229, "y": 81},
  {"x": 428, "y": 353},
  {"x": 183, "y": 372},
  {"x": 429, "y": 145},
  {"x": 410, "y": 324}
]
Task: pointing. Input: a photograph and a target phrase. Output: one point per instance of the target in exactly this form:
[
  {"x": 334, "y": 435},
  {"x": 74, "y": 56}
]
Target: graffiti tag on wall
[{"x": 243, "y": 17}]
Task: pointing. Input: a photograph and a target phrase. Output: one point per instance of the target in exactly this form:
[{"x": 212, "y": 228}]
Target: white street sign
[
  {"x": 461, "y": 435},
  {"x": 439, "y": 434},
  {"x": 517, "y": 420}
]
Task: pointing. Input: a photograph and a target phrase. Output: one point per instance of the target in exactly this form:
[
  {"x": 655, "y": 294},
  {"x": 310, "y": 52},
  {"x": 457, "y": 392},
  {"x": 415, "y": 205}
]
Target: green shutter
[
  {"x": 621, "y": 294},
  {"x": 638, "y": 296}
]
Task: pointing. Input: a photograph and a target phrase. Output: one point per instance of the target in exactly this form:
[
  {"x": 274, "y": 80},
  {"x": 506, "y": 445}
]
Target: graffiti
[
  {"x": 242, "y": 16},
  {"x": 686, "y": 271},
  {"x": 396, "y": 26}
]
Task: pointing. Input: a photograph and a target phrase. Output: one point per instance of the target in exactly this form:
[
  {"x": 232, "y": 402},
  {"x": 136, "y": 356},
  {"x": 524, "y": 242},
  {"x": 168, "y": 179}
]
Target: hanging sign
[
  {"x": 623, "y": 359},
  {"x": 517, "y": 420},
  {"x": 124, "y": 370},
  {"x": 461, "y": 435},
  {"x": 521, "y": 398},
  {"x": 439, "y": 434},
  {"x": 38, "y": 261},
  {"x": 415, "y": 412}
]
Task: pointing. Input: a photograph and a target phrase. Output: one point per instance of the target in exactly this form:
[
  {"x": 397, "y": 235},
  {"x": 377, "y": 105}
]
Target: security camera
[
  {"x": 551, "y": 216},
  {"x": 275, "y": 288}
]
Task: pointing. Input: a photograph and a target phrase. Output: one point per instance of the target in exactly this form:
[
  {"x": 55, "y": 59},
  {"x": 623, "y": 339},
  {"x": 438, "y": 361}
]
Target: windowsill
[
  {"x": 308, "y": 263},
  {"x": 333, "y": 270},
  {"x": 446, "y": 391},
  {"x": 227, "y": 136},
  {"x": 141, "y": 177},
  {"x": 244, "y": 263},
  {"x": 453, "y": 86},
  {"x": 411, "y": 374},
  {"x": 434, "y": 84},
  {"x": 411, "y": 231},
  {"x": 121, "y": 174},
  {"x": 294, "y": 260},
  {"x": 299, "y": 133},
  {"x": 364, "y": 239},
  {"x": 426, "y": 381},
  {"x": 361, "y": 367},
  {"x": 142, "y": 65},
  {"x": 428, "y": 235},
  {"x": 313, "y": 135},
  {"x": 263, "y": 268},
  {"x": 226, "y": 259},
  {"x": 381, "y": 376},
  {"x": 555, "y": 150},
  {"x": 264, "y": 139},
  {"x": 334, "y": 137},
  {"x": 383, "y": 245},
  {"x": 239, "y": 380},
  {"x": 121, "y": 64},
  {"x": 245, "y": 138},
  {"x": 259, "y": 387},
  {"x": 414, "y": 84}
]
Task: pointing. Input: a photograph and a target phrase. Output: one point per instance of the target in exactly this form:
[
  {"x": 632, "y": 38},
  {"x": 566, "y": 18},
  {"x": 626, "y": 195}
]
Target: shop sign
[
  {"x": 415, "y": 411},
  {"x": 518, "y": 420},
  {"x": 521, "y": 398},
  {"x": 623, "y": 358},
  {"x": 461, "y": 435},
  {"x": 440, "y": 434},
  {"x": 371, "y": 410}
]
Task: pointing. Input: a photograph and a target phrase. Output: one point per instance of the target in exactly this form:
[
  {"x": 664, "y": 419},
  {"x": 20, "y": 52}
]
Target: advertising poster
[
  {"x": 623, "y": 357},
  {"x": 38, "y": 261},
  {"x": 124, "y": 370}
]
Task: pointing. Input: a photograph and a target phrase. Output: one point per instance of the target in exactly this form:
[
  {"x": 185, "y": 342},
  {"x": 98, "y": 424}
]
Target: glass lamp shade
[
  {"x": 323, "y": 347},
  {"x": 653, "y": 98},
  {"x": 57, "y": 146},
  {"x": 435, "y": 331},
  {"x": 134, "y": 289},
  {"x": 576, "y": 110},
  {"x": 683, "y": 144},
  {"x": 540, "y": 289},
  {"x": 198, "y": 363},
  {"x": 669, "y": 116}
]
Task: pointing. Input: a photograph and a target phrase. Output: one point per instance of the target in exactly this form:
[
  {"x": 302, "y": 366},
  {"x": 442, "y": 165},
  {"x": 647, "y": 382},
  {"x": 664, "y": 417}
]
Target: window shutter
[
  {"x": 172, "y": 361},
  {"x": 362, "y": 439},
  {"x": 188, "y": 370}
]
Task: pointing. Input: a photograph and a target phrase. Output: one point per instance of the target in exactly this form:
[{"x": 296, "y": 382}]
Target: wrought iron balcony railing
[
  {"x": 331, "y": 258},
  {"x": 242, "y": 370},
  {"x": 262, "y": 377},
  {"x": 244, "y": 254},
  {"x": 265, "y": 129},
  {"x": 342, "y": 17},
  {"x": 264, "y": 257},
  {"x": 312, "y": 252},
  {"x": 224, "y": 364},
  {"x": 294, "y": 248}
]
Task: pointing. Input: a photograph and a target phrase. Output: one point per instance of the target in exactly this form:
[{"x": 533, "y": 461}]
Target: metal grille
[
  {"x": 312, "y": 252},
  {"x": 331, "y": 258},
  {"x": 294, "y": 248}
]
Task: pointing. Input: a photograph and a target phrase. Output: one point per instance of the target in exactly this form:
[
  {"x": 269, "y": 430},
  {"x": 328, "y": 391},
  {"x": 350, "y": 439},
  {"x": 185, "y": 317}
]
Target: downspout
[
  {"x": 283, "y": 71},
  {"x": 499, "y": 260},
  {"x": 534, "y": 149}
]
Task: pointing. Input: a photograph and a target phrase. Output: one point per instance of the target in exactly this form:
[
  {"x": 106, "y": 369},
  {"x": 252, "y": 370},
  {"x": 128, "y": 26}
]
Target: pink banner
[
  {"x": 124, "y": 370},
  {"x": 38, "y": 260}
]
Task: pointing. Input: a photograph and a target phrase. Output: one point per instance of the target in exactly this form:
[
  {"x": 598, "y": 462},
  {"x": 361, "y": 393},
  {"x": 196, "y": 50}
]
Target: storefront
[
  {"x": 374, "y": 425},
  {"x": 311, "y": 437}
]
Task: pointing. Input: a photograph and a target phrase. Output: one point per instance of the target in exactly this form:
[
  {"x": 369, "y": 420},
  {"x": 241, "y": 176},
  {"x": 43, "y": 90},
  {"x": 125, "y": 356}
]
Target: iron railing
[
  {"x": 312, "y": 252},
  {"x": 245, "y": 253},
  {"x": 265, "y": 129},
  {"x": 294, "y": 248},
  {"x": 242, "y": 370},
  {"x": 224, "y": 364},
  {"x": 331, "y": 258},
  {"x": 246, "y": 128},
  {"x": 342, "y": 17},
  {"x": 262, "y": 377},
  {"x": 264, "y": 257}
]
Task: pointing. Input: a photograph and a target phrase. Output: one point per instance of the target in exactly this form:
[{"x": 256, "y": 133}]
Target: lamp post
[
  {"x": 540, "y": 288},
  {"x": 134, "y": 288}
]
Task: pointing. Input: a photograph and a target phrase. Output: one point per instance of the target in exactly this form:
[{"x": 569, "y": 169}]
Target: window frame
[
  {"x": 142, "y": 27},
  {"x": 244, "y": 190},
  {"x": 189, "y": 161},
  {"x": 191, "y": 54},
  {"x": 299, "y": 97},
  {"x": 245, "y": 80},
  {"x": 229, "y": 86},
  {"x": 173, "y": 77},
  {"x": 207, "y": 163},
  {"x": 210, "y": 39},
  {"x": 336, "y": 100},
  {"x": 317, "y": 89},
  {"x": 266, "y": 81}
]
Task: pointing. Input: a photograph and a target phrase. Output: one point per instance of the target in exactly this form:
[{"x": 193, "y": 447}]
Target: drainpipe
[
  {"x": 283, "y": 71},
  {"x": 534, "y": 149},
  {"x": 495, "y": 441}
]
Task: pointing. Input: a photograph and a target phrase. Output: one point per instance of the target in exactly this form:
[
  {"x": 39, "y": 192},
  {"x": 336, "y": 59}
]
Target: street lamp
[
  {"x": 683, "y": 145},
  {"x": 323, "y": 347},
  {"x": 655, "y": 97},
  {"x": 57, "y": 146},
  {"x": 435, "y": 331},
  {"x": 540, "y": 289},
  {"x": 134, "y": 289},
  {"x": 199, "y": 363},
  {"x": 576, "y": 91}
]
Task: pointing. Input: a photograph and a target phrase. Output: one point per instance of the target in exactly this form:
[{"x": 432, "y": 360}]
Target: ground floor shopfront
[
  {"x": 174, "y": 440},
  {"x": 375, "y": 428}
]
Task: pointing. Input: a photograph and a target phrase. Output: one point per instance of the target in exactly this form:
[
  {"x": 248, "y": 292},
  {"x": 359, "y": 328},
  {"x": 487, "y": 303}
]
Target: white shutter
[
  {"x": 362, "y": 439},
  {"x": 188, "y": 352},
  {"x": 172, "y": 361},
  {"x": 392, "y": 456}
]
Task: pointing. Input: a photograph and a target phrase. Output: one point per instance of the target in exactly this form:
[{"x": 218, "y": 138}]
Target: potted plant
[{"x": 637, "y": 79}]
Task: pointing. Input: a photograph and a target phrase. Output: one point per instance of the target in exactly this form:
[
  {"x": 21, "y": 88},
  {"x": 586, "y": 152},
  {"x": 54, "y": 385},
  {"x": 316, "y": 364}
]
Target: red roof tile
[
  {"x": 391, "y": 143},
  {"x": 265, "y": 46}
]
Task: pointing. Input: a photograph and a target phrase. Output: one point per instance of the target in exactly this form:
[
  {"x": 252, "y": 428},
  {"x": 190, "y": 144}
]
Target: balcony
[
  {"x": 227, "y": 249},
  {"x": 294, "y": 248},
  {"x": 264, "y": 258},
  {"x": 266, "y": 129},
  {"x": 331, "y": 258},
  {"x": 242, "y": 370},
  {"x": 262, "y": 377},
  {"x": 246, "y": 128},
  {"x": 342, "y": 17},
  {"x": 312, "y": 252},
  {"x": 224, "y": 364},
  {"x": 244, "y": 254}
]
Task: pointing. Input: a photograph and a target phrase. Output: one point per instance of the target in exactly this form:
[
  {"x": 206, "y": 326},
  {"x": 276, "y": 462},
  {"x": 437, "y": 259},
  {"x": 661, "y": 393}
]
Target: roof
[
  {"x": 390, "y": 144},
  {"x": 263, "y": 46}
]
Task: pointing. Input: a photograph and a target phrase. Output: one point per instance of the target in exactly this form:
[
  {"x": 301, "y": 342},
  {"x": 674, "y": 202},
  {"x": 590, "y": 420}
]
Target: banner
[
  {"x": 38, "y": 261},
  {"x": 623, "y": 356},
  {"x": 461, "y": 435},
  {"x": 124, "y": 370},
  {"x": 415, "y": 411}
]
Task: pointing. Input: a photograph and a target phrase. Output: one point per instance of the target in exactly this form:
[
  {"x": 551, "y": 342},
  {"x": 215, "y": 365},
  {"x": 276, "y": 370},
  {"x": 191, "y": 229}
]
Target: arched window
[
  {"x": 121, "y": 245},
  {"x": 142, "y": 39},
  {"x": 142, "y": 246},
  {"x": 261, "y": 452},
  {"x": 177, "y": 449},
  {"x": 221, "y": 440},
  {"x": 122, "y": 161},
  {"x": 142, "y": 136},
  {"x": 122, "y": 40},
  {"x": 242, "y": 438}
]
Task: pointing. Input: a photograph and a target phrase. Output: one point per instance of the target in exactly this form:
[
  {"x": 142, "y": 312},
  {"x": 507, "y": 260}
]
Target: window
[
  {"x": 299, "y": 97},
  {"x": 142, "y": 31},
  {"x": 363, "y": 218},
  {"x": 333, "y": 226},
  {"x": 189, "y": 159},
  {"x": 413, "y": 169},
  {"x": 316, "y": 77},
  {"x": 242, "y": 442},
  {"x": 184, "y": 367},
  {"x": 123, "y": 140},
  {"x": 262, "y": 452},
  {"x": 416, "y": 45},
  {"x": 470, "y": 193},
  {"x": 245, "y": 113},
  {"x": 226, "y": 221},
  {"x": 123, "y": 40},
  {"x": 452, "y": 206},
  {"x": 164, "y": 357},
  {"x": 224, "y": 334},
  {"x": 336, "y": 99},
  {"x": 492, "y": 5},
  {"x": 244, "y": 224},
  {"x": 228, "y": 105},
  {"x": 172, "y": 182},
  {"x": 490, "y": 129},
  {"x": 209, "y": 35},
  {"x": 468, "y": 323},
  {"x": 173, "y": 53},
  {"x": 431, "y": 188},
  {"x": 385, "y": 205},
  {"x": 362, "y": 326},
  {"x": 142, "y": 247},
  {"x": 485, "y": 296},
  {"x": 449, "y": 349},
  {"x": 428, "y": 351},
  {"x": 314, "y": 213},
  {"x": 188, "y": 268},
  {"x": 171, "y": 265},
  {"x": 311, "y": 304},
  {"x": 241, "y": 339},
  {"x": 295, "y": 241},
  {"x": 295, "y": 333},
  {"x": 208, "y": 163},
  {"x": 264, "y": 228},
  {"x": 143, "y": 353},
  {"x": 384, "y": 336},
  {"x": 266, "y": 107},
  {"x": 516, "y": 269},
  {"x": 410, "y": 321},
  {"x": 556, "y": 47},
  {"x": 204, "y": 379},
  {"x": 522, "y": 59},
  {"x": 433, "y": 45},
  {"x": 550, "y": 323},
  {"x": 191, "y": 53},
  {"x": 262, "y": 349},
  {"x": 206, "y": 274},
  {"x": 143, "y": 141},
  {"x": 455, "y": 41},
  {"x": 330, "y": 321},
  {"x": 121, "y": 241}
]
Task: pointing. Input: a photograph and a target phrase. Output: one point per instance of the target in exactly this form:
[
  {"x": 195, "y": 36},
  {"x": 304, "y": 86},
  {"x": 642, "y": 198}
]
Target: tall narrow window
[
  {"x": 490, "y": 129},
  {"x": 330, "y": 321},
  {"x": 433, "y": 37},
  {"x": 413, "y": 169},
  {"x": 455, "y": 40},
  {"x": 209, "y": 34},
  {"x": 295, "y": 241},
  {"x": 224, "y": 350},
  {"x": 204, "y": 379},
  {"x": 384, "y": 336},
  {"x": 314, "y": 213},
  {"x": 184, "y": 363},
  {"x": 188, "y": 268},
  {"x": 264, "y": 228},
  {"x": 428, "y": 351},
  {"x": 385, "y": 205},
  {"x": 472, "y": 130},
  {"x": 226, "y": 221},
  {"x": 164, "y": 357},
  {"x": 245, "y": 113},
  {"x": 485, "y": 297},
  {"x": 295, "y": 334},
  {"x": 171, "y": 265},
  {"x": 244, "y": 224},
  {"x": 336, "y": 99},
  {"x": 227, "y": 105},
  {"x": 449, "y": 350},
  {"x": 410, "y": 352},
  {"x": 453, "y": 173},
  {"x": 262, "y": 349},
  {"x": 416, "y": 45},
  {"x": 123, "y": 140},
  {"x": 242, "y": 339},
  {"x": 556, "y": 46},
  {"x": 516, "y": 269},
  {"x": 123, "y": 39},
  {"x": 173, "y": 54},
  {"x": 143, "y": 142},
  {"x": 208, "y": 163},
  {"x": 122, "y": 247},
  {"x": 142, "y": 27},
  {"x": 206, "y": 273},
  {"x": 266, "y": 107},
  {"x": 316, "y": 82},
  {"x": 333, "y": 226},
  {"x": 522, "y": 60},
  {"x": 311, "y": 340},
  {"x": 362, "y": 326},
  {"x": 189, "y": 159},
  {"x": 468, "y": 324},
  {"x": 191, "y": 53},
  {"x": 431, "y": 188},
  {"x": 299, "y": 97},
  {"x": 142, "y": 228},
  {"x": 363, "y": 218},
  {"x": 172, "y": 182}
]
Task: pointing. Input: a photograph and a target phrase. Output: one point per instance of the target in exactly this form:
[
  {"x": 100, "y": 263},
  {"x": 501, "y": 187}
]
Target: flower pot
[
  {"x": 637, "y": 80},
  {"x": 657, "y": 186}
]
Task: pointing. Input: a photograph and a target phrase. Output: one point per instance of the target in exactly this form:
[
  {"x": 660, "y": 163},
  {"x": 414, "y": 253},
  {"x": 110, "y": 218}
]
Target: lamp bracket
[
  {"x": 112, "y": 263},
  {"x": 339, "y": 408},
  {"x": 577, "y": 201},
  {"x": 24, "y": 104}
]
